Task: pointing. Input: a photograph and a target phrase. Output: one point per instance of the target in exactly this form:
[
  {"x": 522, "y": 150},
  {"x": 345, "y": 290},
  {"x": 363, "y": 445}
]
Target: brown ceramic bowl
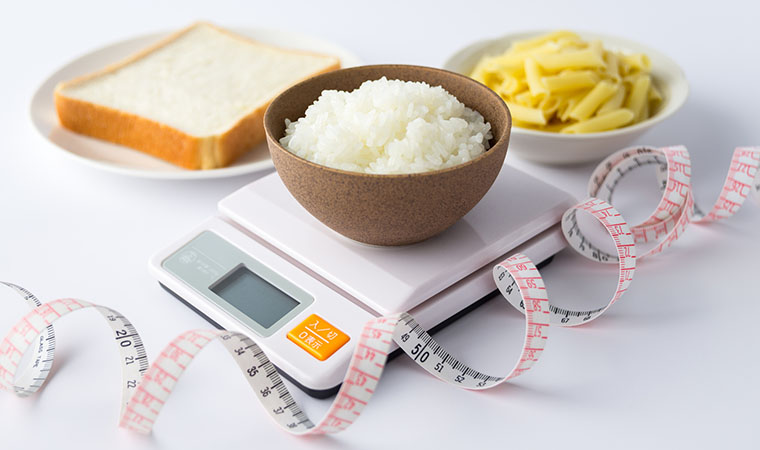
[{"x": 388, "y": 209}]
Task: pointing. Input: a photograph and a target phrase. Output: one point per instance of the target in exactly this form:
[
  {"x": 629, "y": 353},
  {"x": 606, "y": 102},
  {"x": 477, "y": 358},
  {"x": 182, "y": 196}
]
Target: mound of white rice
[{"x": 388, "y": 127}]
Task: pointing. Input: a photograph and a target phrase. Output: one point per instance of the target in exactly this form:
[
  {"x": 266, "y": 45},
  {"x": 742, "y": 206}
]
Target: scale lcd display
[{"x": 254, "y": 296}]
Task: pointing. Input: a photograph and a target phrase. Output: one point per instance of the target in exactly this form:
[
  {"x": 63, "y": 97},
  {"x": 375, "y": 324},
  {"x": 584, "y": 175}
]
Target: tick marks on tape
[{"x": 146, "y": 387}]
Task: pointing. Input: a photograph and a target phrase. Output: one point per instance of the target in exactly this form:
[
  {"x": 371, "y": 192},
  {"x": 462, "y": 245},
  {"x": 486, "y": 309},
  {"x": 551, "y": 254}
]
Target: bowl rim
[
  {"x": 678, "y": 74},
  {"x": 504, "y": 135}
]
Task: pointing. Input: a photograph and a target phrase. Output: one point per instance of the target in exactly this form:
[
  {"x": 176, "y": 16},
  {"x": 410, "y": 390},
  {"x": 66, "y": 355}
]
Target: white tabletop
[{"x": 672, "y": 365}]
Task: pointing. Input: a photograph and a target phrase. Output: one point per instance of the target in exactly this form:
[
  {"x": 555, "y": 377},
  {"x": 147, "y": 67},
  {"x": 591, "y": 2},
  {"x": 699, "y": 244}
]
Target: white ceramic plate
[
  {"x": 555, "y": 148},
  {"x": 123, "y": 160}
]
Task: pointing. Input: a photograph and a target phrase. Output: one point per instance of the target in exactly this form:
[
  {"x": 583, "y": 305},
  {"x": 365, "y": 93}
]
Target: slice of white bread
[{"x": 196, "y": 99}]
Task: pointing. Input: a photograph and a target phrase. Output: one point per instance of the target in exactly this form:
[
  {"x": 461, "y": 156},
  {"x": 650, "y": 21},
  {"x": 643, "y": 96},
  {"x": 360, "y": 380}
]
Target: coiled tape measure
[{"x": 146, "y": 387}]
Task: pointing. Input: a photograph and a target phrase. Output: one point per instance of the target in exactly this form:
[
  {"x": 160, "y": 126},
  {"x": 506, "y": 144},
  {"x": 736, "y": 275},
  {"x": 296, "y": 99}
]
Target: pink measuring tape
[{"x": 146, "y": 387}]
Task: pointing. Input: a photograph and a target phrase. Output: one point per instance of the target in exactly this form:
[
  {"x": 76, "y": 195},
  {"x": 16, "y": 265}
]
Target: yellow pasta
[
  {"x": 603, "y": 122},
  {"x": 638, "y": 61},
  {"x": 565, "y": 43},
  {"x": 509, "y": 86},
  {"x": 527, "y": 114},
  {"x": 612, "y": 69},
  {"x": 533, "y": 76},
  {"x": 570, "y": 80},
  {"x": 569, "y": 60},
  {"x": 559, "y": 83},
  {"x": 567, "y": 106},
  {"x": 549, "y": 105},
  {"x": 596, "y": 47},
  {"x": 614, "y": 102},
  {"x": 591, "y": 101},
  {"x": 638, "y": 96},
  {"x": 527, "y": 99},
  {"x": 515, "y": 61}
]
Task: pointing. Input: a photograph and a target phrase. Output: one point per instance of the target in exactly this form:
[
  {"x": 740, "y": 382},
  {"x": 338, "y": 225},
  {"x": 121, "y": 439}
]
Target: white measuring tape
[{"x": 146, "y": 387}]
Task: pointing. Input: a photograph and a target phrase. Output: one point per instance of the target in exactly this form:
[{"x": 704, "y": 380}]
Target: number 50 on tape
[{"x": 146, "y": 386}]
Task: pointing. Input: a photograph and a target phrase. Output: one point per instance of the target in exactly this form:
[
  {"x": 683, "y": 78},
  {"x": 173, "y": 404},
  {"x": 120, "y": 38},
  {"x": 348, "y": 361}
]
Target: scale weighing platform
[{"x": 265, "y": 267}]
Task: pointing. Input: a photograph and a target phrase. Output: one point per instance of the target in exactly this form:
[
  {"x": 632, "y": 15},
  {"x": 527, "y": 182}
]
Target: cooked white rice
[{"x": 388, "y": 127}]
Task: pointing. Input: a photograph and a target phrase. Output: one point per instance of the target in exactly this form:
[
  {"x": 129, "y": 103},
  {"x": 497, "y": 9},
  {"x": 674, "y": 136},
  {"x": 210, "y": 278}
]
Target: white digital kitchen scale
[{"x": 265, "y": 267}]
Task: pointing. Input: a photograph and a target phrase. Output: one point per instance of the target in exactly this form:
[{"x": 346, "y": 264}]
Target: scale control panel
[{"x": 239, "y": 284}]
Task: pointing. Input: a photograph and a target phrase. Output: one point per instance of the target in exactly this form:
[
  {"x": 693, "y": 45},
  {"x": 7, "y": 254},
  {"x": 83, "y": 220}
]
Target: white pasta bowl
[{"x": 555, "y": 148}]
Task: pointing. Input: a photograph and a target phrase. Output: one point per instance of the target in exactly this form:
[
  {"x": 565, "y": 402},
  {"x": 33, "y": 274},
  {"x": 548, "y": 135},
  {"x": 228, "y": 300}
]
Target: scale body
[{"x": 264, "y": 265}]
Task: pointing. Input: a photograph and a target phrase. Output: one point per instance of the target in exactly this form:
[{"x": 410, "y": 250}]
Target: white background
[{"x": 673, "y": 365}]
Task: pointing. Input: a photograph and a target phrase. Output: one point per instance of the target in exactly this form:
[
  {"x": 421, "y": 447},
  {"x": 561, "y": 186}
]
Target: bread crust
[
  {"x": 129, "y": 130},
  {"x": 158, "y": 139}
]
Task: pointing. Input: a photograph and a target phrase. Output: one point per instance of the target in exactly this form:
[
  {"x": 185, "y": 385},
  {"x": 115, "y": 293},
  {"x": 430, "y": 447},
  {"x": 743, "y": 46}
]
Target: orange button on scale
[{"x": 318, "y": 337}]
